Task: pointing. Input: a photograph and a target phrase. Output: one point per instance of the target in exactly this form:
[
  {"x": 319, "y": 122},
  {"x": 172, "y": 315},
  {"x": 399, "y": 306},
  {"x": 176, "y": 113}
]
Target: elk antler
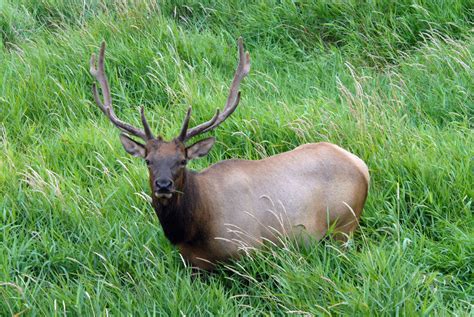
[
  {"x": 106, "y": 107},
  {"x": 232, "y": 100}
]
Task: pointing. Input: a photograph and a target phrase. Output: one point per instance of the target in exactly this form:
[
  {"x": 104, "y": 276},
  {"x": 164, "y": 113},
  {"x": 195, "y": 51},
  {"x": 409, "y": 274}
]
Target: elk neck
[{"x": 183, "y": 214}]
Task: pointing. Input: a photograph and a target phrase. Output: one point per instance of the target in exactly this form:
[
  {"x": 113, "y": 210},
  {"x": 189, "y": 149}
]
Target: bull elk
[{"x": 213, "y": 215}]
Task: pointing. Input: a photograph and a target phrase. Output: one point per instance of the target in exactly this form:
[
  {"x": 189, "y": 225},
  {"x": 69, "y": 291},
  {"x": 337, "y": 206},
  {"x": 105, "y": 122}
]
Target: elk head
[{"x": 166, "y": 161}]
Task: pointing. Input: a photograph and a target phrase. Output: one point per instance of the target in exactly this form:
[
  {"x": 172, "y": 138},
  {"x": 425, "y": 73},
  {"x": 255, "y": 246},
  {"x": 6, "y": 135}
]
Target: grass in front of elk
[{"x": 77, "y": 232}]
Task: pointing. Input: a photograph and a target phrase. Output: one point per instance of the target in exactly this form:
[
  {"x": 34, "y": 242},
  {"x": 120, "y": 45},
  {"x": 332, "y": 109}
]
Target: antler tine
[
  {"x": 148, "y": 132},
  {"x": 106, "y": 106},
  {"x": 233, "y": 99},
  {"x": 203, "y": 127},
  {"x": 184, "y": 127}
]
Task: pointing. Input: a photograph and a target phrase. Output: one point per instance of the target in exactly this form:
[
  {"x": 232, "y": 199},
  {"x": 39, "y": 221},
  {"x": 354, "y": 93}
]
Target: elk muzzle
[{"x": 163, "y": 188}]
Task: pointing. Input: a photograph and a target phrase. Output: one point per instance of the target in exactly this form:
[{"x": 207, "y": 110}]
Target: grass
[{"x": 391, "y": 81}]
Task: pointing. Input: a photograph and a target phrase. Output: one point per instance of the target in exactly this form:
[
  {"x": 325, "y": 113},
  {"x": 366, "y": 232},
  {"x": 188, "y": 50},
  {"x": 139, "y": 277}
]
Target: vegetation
[{"x": 391, "y": 81}]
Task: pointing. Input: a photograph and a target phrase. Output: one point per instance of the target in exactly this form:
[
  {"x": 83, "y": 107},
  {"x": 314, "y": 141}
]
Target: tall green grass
[{"x": 391, "y": 81}]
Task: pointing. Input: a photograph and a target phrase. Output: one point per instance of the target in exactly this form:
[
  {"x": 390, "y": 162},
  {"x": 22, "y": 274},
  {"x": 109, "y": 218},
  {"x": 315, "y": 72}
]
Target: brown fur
[{"x": 217, "y": 213}]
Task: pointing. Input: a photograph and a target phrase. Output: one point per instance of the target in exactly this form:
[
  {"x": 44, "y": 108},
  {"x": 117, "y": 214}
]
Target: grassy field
[{"x": 391, "y": 81}]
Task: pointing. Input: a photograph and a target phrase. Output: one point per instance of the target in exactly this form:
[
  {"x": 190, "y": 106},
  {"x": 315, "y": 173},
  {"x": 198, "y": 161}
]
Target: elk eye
[
  {"x": 147, "y": 162},
  {"x": 183, "y": 162}
]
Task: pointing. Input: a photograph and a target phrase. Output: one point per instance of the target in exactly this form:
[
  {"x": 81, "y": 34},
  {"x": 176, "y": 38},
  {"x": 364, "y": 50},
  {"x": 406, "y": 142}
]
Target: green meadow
[{"x": 390, "y": 81}]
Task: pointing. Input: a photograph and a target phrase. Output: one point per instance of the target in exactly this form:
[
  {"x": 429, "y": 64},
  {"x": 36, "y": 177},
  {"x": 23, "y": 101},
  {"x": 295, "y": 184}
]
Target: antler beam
[
  {"x": 97, "y": 70},
  {"x": 233, "y": 99}
]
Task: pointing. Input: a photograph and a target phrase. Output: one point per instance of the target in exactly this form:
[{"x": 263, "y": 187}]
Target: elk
[{"x": 215, "y": 214}]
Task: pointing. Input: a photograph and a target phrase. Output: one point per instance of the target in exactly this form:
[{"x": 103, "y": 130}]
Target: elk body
[{"x": 213, "y": 215}]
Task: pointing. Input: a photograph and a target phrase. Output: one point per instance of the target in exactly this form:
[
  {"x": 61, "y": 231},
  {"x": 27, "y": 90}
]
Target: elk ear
[
  {"x": 132, "y": 147},
  {"x": 200, "y": 148}
]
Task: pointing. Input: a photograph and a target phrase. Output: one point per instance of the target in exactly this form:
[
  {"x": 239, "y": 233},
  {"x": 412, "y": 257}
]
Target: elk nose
[{"x": 163, "y": 184}]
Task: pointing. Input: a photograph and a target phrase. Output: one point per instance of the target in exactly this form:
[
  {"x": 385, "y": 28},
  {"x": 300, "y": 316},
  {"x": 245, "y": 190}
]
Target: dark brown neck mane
[{"x": 182, "y": 215}]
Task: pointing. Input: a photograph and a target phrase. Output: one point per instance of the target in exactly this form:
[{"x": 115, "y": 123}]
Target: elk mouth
[{"x": 163, "y": 194}]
